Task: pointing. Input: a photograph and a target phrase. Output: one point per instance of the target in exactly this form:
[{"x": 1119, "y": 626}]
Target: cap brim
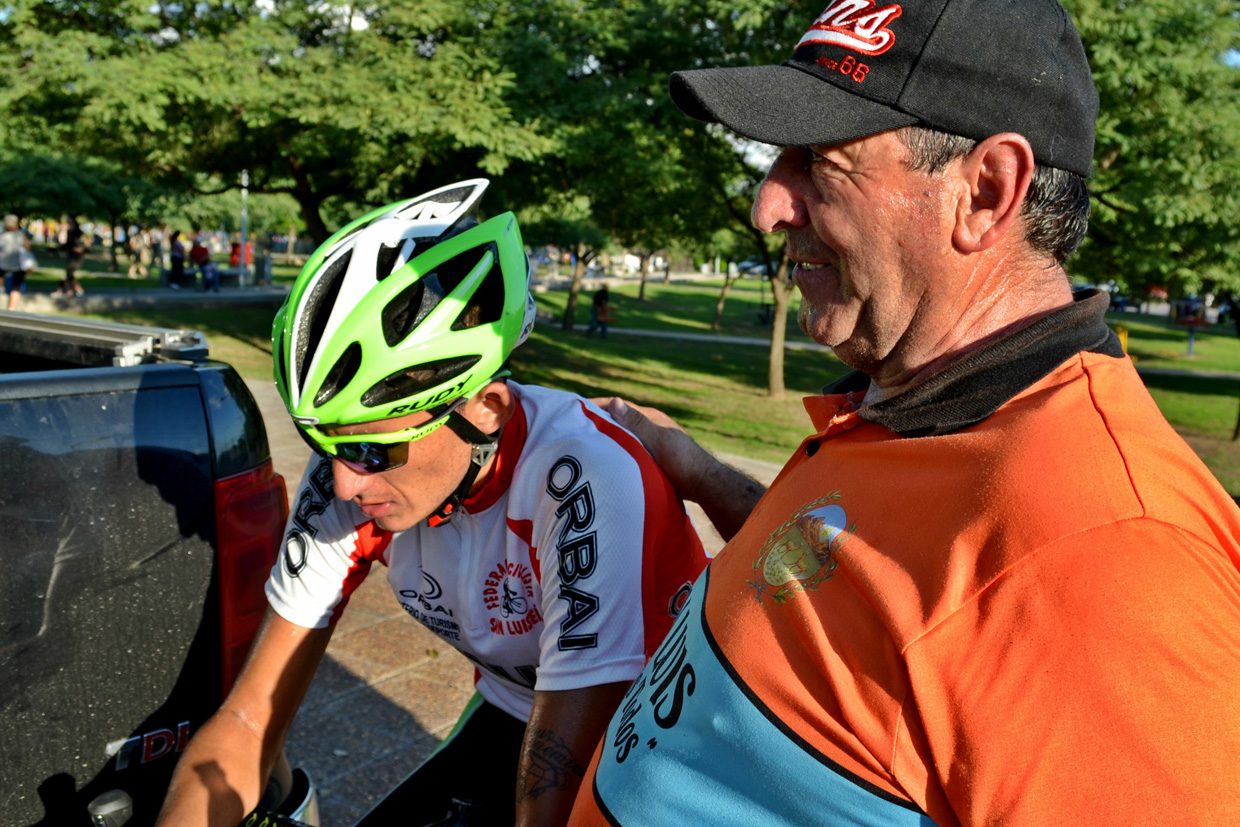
[{"x": 781, "y": 105}]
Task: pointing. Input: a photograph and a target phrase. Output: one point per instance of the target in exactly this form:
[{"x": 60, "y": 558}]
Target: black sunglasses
[{"x": 371, "y": 457}]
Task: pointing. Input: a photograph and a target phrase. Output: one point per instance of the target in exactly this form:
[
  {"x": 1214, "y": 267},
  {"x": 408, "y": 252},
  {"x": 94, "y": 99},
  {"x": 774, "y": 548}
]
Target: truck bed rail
[{"x": 93, "y": 343}]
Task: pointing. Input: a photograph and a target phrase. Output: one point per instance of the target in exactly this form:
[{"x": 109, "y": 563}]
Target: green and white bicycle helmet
[{"x": 409, "y": 308}]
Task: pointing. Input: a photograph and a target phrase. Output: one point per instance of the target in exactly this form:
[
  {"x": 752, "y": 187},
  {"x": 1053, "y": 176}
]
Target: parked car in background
[{"x": 754, "y": 267}]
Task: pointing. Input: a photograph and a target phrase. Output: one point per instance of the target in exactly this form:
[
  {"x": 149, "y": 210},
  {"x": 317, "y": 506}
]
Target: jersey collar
[
  {"x": 511, "y": 444},
  {"x": 975, "y": 387}
]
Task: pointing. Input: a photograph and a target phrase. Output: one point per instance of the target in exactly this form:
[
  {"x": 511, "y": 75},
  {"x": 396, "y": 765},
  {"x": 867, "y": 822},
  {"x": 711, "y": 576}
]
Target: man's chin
[{"x": 394, "y": 521}]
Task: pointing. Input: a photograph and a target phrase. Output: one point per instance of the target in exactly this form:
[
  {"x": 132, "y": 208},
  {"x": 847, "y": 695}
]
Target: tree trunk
[
  {"x": 723, "y": 297},
  {"x": 315, "y": 228},
  {"x": 308, "y": 201},
  {"x": 579, "y": 274},
  {"x": 641, "y": 292},
  {"x": 779, "y": 324}
]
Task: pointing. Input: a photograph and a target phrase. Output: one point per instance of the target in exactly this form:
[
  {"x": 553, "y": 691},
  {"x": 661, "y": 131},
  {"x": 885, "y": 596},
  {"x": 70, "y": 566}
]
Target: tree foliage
[
  {"x": 48, "y": 185},
  {"x": 314, "y": 100},
  {"x": 564, "y": 103},
  {"x": 1166, "y": 209}
]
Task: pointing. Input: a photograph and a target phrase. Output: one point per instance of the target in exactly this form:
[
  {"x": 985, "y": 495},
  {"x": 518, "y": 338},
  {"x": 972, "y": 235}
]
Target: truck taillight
[{"x": 251, "y": 508}]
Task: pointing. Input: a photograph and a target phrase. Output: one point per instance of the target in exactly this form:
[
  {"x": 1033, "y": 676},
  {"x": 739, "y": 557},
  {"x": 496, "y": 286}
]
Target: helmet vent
[
  {"x": 408, "y": 310},
  {"x": 278, "y": 353},
  {"x": 416, "y": 379},
  {"x": 340, "y": 375},
  {"x": 318, "y": 308},
  {"x": 385, "y": 260},
  {"x": 486, "y": 305}
]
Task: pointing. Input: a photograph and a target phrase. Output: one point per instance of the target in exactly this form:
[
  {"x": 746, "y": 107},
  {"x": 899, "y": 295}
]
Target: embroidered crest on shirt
[
  {"x": 508, "y": 592},
  {"x": 801, "y": 554}
]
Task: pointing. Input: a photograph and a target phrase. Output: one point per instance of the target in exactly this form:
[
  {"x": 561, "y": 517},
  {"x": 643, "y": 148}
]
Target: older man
[{"x": 994, "y": 587}]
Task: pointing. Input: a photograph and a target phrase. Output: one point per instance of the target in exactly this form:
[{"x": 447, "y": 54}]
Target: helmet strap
[{"x": 482, "y": 448}]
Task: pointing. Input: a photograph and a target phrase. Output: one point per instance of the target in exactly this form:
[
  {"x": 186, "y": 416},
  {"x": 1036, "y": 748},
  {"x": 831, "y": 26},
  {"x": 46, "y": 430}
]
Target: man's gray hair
[{"x": 1056, "y": 208}]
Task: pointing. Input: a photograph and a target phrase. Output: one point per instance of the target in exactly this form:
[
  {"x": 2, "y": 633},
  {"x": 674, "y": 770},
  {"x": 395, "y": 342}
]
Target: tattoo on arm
[{"x": 548, "y": 764}]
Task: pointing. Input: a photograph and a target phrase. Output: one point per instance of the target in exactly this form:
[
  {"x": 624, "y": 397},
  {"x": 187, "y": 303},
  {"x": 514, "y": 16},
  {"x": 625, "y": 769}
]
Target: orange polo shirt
[{"x": 1010, "y": 597}]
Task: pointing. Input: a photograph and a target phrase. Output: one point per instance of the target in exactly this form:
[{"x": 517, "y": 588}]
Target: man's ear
[
  {"x": 491, "y": 407},
  {"x": 996, "y": 176}
]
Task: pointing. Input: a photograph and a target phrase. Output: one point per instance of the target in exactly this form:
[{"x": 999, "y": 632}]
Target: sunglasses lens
[{"x": 372, "y": 457}]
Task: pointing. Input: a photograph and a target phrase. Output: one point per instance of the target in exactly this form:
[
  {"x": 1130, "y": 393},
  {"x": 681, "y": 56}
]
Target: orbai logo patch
[
  {"x": 856, "y": 25},
  {"x": 801, "y": 554}
]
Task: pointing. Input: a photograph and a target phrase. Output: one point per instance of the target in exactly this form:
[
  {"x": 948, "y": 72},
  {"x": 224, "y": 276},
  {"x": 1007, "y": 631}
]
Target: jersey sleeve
[
  {"x": 326, "y": 553},
  {"x": 1094, "y": 683},
  {"x": 618, "y": 556}
]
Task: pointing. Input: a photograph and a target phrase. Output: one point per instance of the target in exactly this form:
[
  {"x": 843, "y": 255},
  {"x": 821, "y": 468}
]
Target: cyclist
[{"x": 518, "y": 523}]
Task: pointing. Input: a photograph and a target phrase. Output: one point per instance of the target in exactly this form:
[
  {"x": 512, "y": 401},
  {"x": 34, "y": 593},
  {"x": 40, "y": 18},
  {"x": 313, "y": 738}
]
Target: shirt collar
[
  {"x": 972, "y": 389},
  {"x": 511, "y": 444}
]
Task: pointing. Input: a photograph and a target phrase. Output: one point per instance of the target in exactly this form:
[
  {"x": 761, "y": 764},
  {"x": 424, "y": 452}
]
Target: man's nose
[
  {"x": 349, "y": 483},
  {"x": 779, "y": 204}
]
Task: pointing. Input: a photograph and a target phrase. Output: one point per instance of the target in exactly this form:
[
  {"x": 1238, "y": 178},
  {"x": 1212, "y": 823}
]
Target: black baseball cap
[{"x": 969, "y": 67}]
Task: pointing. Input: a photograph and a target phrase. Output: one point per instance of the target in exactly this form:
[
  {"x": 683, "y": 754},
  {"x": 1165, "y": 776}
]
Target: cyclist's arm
[
  {"x": 221, "y": 775},
  {"x": 564, "y": 728},
  {"x": 725, "y": 494}
]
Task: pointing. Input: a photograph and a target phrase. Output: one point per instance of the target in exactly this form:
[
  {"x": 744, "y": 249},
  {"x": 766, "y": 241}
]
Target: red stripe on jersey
[
  {"x": 511, "y": 444},
  {"x": 524, "y": 529},
  {"x": 372, "y": 541},
  {"x": 672, "y": 553}
]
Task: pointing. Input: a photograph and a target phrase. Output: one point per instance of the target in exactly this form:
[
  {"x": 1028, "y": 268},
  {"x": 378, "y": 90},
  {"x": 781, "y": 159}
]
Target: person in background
[
  {"x": 200, "y": 255},
  {"x": 139, "y": 244},
  {"x": 176, "y": 260},
  {"x": 600, "y": 312},
  {"x": 75, "y": 256},
  {"x": 15, "y": 258},
  {"x": 159, "y": 246}
]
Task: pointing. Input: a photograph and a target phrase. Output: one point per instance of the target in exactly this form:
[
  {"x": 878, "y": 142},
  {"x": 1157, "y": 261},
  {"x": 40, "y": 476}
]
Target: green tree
[
  {"x": 317, "y": 101},
  {"x": 1166, "y": 209},
  {"x": 624, "y": 155}
]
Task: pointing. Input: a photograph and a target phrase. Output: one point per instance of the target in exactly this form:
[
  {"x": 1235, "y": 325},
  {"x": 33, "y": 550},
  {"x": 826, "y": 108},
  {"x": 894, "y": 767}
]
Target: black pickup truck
[{"x": 139, "y": 518}]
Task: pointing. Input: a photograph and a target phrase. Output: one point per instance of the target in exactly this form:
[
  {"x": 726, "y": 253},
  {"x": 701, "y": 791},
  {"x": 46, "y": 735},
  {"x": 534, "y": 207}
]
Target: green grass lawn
[
  {"x": 718, "y": 393},
  {"x": 718, "y": 390},
  {"x": 687, "y": 307},
  {"x": 1154, "y": 342}
]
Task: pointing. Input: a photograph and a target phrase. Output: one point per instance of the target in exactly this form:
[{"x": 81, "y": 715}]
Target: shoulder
[
  {"x": 314, "y": 511},
  {"x": 1087, "y": 446},
  {"x": 562, "y": 424}
]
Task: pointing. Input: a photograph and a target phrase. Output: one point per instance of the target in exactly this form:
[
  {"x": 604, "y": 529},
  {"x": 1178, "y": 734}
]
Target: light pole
[{"x": 244, "y": 265}]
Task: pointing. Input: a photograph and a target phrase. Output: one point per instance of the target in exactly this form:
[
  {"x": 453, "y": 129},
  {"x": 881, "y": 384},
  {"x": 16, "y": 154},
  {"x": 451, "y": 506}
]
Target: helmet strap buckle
[{"x": 482, "y": 449}]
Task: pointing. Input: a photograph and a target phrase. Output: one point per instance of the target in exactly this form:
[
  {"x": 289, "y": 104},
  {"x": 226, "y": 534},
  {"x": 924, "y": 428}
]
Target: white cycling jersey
[{"x": 564, "y": 571}]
